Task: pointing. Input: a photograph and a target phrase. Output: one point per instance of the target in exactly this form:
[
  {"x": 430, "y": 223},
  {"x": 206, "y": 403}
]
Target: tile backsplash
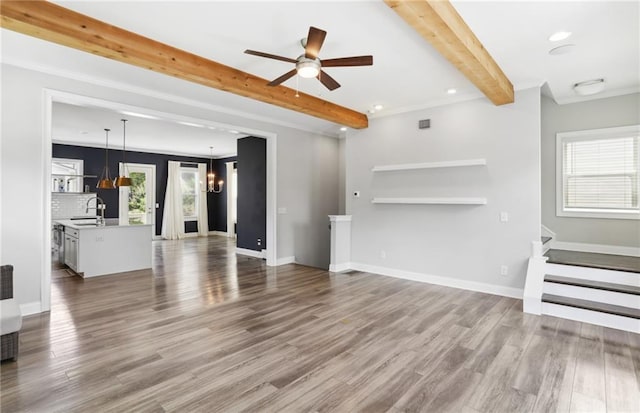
[{"x": 66, "y": 205}]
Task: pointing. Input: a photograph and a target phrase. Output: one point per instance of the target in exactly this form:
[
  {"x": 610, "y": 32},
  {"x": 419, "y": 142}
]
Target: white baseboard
[
  {"x": 286, "y": 260},
  {"x": 31, "y": 308},
  {"x": 439, "y": 280},
  {"x": 340, "y": 267},
  {"x": 219, "y": 233},
  {"x": 190, "y": 235},
  {"x": 250, "y": 253},
  {"x": 546, "y": 232},
  {"x": 597, "y": 248}
]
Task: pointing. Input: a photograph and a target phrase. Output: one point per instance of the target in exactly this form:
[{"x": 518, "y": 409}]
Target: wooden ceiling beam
[
  {"x": 438, "y": 22},
  {"x": 66, "y": 27}
]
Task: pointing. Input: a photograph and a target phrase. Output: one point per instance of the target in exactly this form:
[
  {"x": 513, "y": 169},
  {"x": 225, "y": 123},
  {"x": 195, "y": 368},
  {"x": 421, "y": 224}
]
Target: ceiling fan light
[{"x": 307, "y": 69}]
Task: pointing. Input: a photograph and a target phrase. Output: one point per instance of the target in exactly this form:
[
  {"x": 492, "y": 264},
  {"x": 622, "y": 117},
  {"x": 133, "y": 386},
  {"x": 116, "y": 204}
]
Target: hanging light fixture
[
  {"x": 105, "y": 181},
  {"x": 124, "y": 180},
  {"x": 211, "y": 187}
]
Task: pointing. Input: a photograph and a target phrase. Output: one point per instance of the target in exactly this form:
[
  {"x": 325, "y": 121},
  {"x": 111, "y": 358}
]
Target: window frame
[
  {"x": 183, "y": 169},
  {"x": 604, "y": 133}
]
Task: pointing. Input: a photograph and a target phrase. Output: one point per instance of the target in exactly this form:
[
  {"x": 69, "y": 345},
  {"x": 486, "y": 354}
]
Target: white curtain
[
  {"x": 203, "y": 215},
  {"x": 230, "y": 201},
  {"x": 172, "y": 218}
]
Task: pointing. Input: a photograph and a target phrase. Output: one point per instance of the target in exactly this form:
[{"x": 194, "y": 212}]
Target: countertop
[{"x": 82, "y": 224}]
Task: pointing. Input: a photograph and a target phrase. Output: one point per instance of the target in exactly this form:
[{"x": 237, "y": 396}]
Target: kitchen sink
[{"x": 87, "y": 224}]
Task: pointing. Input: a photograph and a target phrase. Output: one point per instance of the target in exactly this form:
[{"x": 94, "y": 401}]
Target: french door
[{"x": 138, "y": 201}]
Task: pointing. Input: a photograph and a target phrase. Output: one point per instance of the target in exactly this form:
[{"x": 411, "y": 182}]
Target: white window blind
[{"x": 601, "y": 173}]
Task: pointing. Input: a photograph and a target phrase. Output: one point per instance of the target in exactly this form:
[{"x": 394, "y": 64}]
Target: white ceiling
[{"x": 407, "y": 72}]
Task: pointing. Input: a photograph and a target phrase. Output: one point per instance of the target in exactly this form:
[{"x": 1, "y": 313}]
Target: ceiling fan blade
[
  {"x": 349, "y": 61},
  {"x": 269, "y": 56},
  {"x": 329, "y": 82},
  {"x": 315, "y": 38},
  {"x": 282, "y": 78}
]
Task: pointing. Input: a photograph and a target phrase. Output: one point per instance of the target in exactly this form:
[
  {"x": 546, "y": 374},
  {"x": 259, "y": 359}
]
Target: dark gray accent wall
[
  {"x": 94, "y": 161},
  {"x": 252, "y": 193},
  {"x": 218, "y": 214}
]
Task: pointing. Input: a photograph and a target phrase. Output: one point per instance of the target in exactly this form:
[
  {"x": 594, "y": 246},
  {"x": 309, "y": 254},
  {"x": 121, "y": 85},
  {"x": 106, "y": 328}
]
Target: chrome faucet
[{"x": 100, "y": 219}]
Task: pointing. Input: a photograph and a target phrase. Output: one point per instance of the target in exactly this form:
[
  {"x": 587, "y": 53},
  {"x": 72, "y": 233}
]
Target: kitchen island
[{"x": 92, "y": 250}]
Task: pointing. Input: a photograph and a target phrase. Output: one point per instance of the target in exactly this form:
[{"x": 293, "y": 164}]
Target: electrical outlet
[
  {"x": 259, "y": 242},
  {"x": 504, "y": 270},
  {"x": 504, "y": 217},
  {"x": 383, "y": 254},
  {"x": 99, "y": 239}
]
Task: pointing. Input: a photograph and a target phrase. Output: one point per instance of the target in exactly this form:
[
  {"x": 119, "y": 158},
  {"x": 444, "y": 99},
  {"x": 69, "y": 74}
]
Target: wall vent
[{"x": 424, "y": 124}]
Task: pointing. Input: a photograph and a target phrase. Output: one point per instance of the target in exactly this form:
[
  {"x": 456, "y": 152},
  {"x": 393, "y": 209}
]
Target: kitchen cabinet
[
  {"x": 128, "y": 246},
  {"x": 71, "y": 249}
]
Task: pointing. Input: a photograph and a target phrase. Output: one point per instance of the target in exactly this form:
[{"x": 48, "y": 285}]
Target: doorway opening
[
  {"x": 137, "y": 203},
  {"x": 53, "y": 96}
]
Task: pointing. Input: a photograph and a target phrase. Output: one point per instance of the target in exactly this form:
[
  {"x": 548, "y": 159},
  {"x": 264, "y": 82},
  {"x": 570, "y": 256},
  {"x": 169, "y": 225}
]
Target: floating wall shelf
[
  {"x": 430, "y": 165},
  {"x": 76, "y": 176},
  {"x": 431, "y": 201}
]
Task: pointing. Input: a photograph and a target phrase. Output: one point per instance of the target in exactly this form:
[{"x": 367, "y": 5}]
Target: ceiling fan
[{"x": 308, "y": 64}]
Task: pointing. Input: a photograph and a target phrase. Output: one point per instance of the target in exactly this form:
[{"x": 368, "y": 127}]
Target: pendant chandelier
[
  {"x": 105, "y": 181},
  {"x": 211, "y": 187},
  {"x": 124, "y": 180}
]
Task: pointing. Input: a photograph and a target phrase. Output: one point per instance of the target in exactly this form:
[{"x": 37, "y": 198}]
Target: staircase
[{"x": 600, "y": 289}]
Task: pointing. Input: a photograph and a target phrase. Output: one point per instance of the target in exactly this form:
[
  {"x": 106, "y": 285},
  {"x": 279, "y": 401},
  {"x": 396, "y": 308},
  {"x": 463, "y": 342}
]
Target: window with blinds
[{"x": 600, "y": 173}]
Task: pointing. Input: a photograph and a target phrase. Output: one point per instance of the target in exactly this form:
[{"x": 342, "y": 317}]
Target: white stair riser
[
  {"x": 594, "y": 274},
  {"x": 592, "y": 317},
  {"x": 592, "y": 294}
]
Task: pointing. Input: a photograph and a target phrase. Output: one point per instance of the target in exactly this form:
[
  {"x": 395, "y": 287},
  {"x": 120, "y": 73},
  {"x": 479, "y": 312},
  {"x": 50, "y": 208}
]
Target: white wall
[
  {"x": 342, "y": 177},
  {"x": 306, "y": 175},
  {"x": 308, "y": 188},
  {"x": 594, "y": 114},
  {"x": 457, "y": 242}
]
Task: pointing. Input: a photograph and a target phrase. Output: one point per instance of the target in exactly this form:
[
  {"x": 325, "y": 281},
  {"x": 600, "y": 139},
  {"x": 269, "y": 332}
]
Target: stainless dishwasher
[{"x": 58, "y": 242}]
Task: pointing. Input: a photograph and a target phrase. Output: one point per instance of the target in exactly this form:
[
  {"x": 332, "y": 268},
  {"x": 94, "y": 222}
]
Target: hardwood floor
[{"x": 206, "y": 331}]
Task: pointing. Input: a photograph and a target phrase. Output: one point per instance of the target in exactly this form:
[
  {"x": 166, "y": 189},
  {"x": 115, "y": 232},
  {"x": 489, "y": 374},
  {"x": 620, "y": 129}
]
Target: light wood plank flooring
[{"x": 205, "y": 331}]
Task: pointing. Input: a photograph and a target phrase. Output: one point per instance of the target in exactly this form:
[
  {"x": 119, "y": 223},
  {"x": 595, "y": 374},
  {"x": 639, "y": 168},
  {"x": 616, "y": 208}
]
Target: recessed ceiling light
[
  {"x": 452, "y": 91},
  {"x": 557, "y": 36},
  {"x": 212, "y": 127},
  {"x": 235, "y": 132},
  {"x": 378, "y": 107},
  {"x": 343, "y": 129},
  {"x": 138, "y": 115},
  {"x": 564, "y": 49},
  {"x": 589, "y": 87},
  {"x": 195, "y": 125},
  {"x": 372, "y": 110}
]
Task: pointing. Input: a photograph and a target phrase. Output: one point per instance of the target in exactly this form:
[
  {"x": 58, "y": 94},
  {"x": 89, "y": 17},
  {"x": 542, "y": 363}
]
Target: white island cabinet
[{"x": 92, "y": 250}]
